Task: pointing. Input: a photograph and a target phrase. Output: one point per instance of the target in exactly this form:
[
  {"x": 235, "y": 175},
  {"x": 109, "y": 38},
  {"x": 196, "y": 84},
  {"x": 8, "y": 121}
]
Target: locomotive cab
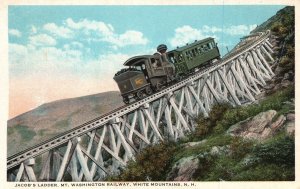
[
  {"x": 132, "y": 82},
  {"x": 144, "y": 75}
]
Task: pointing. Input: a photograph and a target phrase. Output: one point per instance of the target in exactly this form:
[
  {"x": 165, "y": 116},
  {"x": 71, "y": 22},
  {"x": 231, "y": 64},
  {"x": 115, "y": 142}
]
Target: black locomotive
[{"x": 150, "y": 73}]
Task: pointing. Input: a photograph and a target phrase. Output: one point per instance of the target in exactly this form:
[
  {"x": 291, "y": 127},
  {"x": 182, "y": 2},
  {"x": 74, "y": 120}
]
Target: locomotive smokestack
[{"x": 162, "y": 48}]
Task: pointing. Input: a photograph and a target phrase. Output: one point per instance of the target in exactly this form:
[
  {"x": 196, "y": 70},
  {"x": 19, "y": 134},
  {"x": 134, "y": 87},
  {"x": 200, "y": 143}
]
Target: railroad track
[{"x": 64, "y": 137}]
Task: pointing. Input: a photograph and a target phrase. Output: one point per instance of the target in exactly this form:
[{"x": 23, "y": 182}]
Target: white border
[{"x": 207, "y": 185}]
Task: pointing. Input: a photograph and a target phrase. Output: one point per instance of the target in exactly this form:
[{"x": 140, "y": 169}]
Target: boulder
[
  {"x": 249, "y": 160},
  {"x": 259, "y": 127},
  {"x": 290, "y": 117},
  {"x": 290, "y": 128},
  {"x": 269, "y": 87},
  {"x": 290, "y": 124},
  {"x": 286, "y": 83},
  {"x": 184, "y": 169},
  {"x": 277, "y": 79},
  {"x": 291, "y": 75},
  {"x": 286, "y": 76},
  {"x": 219, "y": 150},
  {"x": 278, "y": 70},
  {"x": 283, "y": 84},
  {"x": 274, "y": 126},
  {"x": 191, "y": 144}
]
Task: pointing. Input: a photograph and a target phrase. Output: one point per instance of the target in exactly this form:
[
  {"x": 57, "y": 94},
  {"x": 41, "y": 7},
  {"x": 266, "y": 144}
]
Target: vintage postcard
[{"x": 149, "y": 94}]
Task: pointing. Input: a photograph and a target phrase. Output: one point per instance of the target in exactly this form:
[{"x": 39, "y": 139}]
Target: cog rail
[{"x": 64, "y": 137}]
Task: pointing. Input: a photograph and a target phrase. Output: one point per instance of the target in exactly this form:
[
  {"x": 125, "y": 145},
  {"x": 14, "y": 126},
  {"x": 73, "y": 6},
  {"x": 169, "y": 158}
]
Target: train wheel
[
  {"x": 159, "y": 86},
  {"x": 148, "y": 90},
  {"x": 139, "y": 95},
  {"x": 126, "y": 100}
]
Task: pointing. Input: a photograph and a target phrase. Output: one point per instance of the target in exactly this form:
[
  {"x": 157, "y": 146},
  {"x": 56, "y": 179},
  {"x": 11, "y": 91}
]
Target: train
[{"x": 144, "y": 75}]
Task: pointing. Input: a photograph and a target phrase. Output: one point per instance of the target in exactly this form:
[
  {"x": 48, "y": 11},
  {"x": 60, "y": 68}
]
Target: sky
[{"x": 58, "y": 52}]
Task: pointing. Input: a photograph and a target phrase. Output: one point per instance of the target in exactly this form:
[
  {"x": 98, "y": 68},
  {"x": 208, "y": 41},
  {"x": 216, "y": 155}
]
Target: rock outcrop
[
  {"x": 191, "y": 144},
  {"x": 263, "y": 126},
  {"x": 290, "y": 124},
  {"x": 184, "y": 169}
]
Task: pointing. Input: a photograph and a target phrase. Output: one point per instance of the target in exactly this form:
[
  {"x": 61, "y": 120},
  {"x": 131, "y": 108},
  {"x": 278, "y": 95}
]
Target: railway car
[
  {"x": 150, "y": 73},
  {"x": 143, "y": 75},
  {"x": 195, "y": 55}
]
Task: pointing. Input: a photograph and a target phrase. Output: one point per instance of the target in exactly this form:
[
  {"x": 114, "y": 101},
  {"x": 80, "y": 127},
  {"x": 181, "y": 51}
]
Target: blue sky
[
  {"x": 67, "y": 51},
  {"x": 157, "y": 23}
]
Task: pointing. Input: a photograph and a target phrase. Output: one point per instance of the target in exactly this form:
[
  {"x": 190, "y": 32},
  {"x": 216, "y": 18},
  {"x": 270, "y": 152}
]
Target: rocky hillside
[
  {"x": 55, "y": 117},
  {"x": 248, "y": 143},
  {"x": 284, "y": 16},
  {"x": 253, "y": 142}
]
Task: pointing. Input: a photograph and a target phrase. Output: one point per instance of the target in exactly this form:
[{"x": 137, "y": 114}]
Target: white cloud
[
  {"x": 42, "y": 40},
  {"x": 43, "y": 74},
  {"x": 113, "y": 61},
  {"x": 252, "y": 27},
  {"x": 58, "y": 56},
  {"x": 231, "y": 30},
  {"x": 128, "y": 38},
  {"x": 103, "y": 66},
  {"x": 17, "y": 54},
  {"x": 50, "y": 61},
  {"x": 99, "y": 31},
  {"x": 211, "y": 29},
  {"x": 60, "y": 31},
  {"x": 239, "y": 29},
  {"x": 101, "y": 27},
  {"x": 132, "y": 37},
  {"x": 33, "y": 30},
  {"x": 14, "y": 32},
  {"x": 186, "y": 34},
  {"x": 17, "y": 49}
]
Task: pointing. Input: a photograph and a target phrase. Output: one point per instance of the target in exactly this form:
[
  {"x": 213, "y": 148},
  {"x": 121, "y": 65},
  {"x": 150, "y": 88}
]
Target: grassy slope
[
  {"x": 52, "y": 118},
  {"x": 249, "y": 160}
]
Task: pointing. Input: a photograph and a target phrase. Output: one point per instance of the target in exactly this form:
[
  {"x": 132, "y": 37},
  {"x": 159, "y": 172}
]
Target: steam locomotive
[{"x": 147, "y": 74}]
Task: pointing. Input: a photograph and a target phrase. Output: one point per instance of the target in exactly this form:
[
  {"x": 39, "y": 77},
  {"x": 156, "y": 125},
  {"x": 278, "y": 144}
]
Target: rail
[{"x": 64, "y": 137}]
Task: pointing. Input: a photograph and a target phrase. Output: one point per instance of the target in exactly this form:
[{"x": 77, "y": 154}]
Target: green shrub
[
  {"x": 284, "y": 61},
  {"x": 213, "y": 140},
  {"x": 235, "y": 115},
  {"x": 206, "y": 125},
  {"x": 266, "y": 172},
  {"x": 269, "y": 161},
  {"x": 154, "y": 162},
  {"x": 151, "y": 164},
  {"x": 276, "y": 27},
  {"x": 240, "y": 147},
  {"x": 290, "y": 51},
  {"x": 206, "y": 163},
  {"x": 278, "y": 151},
  {"x": 217, "y": 112},
  {"x": 203, "y": 127},
  {"x": 223, "y": 169}
]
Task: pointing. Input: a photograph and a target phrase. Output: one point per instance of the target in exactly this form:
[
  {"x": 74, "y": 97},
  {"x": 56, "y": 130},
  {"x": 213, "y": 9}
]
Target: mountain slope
[
  {"x": 52, "y": 118},
  {"x": 232, "y": 144},
  {"x": 284, "y": 16}
]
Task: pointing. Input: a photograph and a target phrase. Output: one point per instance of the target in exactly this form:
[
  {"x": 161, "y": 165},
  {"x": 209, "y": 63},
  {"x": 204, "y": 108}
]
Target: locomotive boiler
[{"x": 147, "y": 74}]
